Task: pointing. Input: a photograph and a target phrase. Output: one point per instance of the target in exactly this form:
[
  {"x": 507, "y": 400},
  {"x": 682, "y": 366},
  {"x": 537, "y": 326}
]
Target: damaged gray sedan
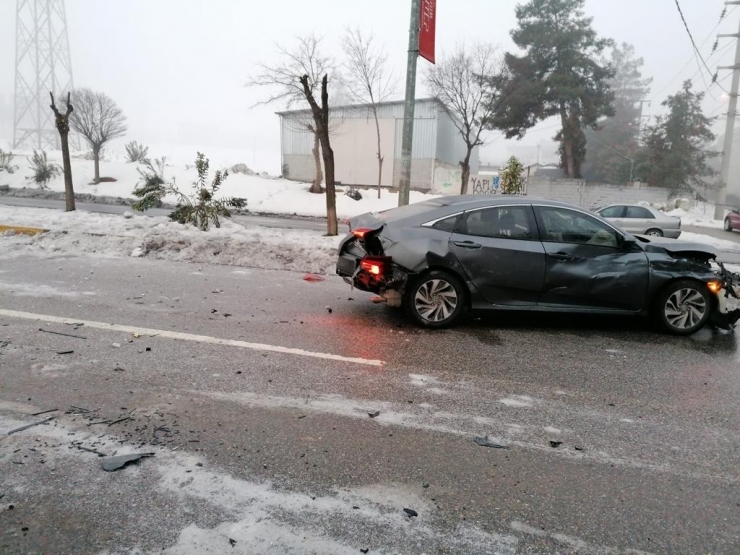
[{"x": 441, "y": 257}]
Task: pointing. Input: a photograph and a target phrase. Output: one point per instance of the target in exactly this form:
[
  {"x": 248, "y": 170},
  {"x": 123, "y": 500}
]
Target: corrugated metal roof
[{"x": 424, "y": 108}]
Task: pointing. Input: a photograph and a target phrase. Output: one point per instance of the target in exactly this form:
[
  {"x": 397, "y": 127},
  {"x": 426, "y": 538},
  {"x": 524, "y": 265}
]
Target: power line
[
  {"x": 724, "y": 15},
  {"x": 722, "y": 18},
  {"x": 696, "y": 49},
  {"x": 722, "y": 52}
]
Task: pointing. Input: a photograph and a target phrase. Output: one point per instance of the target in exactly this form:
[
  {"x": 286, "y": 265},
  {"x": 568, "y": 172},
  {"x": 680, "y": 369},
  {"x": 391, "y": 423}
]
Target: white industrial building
[{"x": 437, "y": 152}]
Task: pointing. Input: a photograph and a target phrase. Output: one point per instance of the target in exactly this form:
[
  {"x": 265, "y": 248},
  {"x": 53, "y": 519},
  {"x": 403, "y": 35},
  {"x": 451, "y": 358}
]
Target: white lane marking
[
  {"x": 189, "y": 337},
  {"x": 517, "y": 401},
  {"x": 578, "y": 544}
]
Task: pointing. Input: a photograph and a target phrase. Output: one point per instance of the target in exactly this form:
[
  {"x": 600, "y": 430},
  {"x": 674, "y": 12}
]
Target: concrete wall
[{"x": 591, "y": 196}]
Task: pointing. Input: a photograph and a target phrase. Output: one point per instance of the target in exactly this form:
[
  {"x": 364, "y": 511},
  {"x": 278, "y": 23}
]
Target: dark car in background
[
  {"x": 440, "y": 257},
  {"x": 732, "y": 220}
]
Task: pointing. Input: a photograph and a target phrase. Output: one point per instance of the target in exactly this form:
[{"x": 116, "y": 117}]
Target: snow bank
[
  {"x": 721, "y": 244},
  {"x": 701, "y": 215},
  {"x": 263, "y": 194},
  {"x": 75, "y": 233}
]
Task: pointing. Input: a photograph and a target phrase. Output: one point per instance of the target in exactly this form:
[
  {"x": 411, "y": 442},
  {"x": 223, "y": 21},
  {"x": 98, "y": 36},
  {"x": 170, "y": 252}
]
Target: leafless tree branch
[
  {"x": 468, "y": 85},
  {"x": 368, "y": 81}
]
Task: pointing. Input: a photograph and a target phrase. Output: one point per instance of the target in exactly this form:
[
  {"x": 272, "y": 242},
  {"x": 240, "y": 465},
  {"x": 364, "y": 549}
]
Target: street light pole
[{"x": 408, "y": 115}]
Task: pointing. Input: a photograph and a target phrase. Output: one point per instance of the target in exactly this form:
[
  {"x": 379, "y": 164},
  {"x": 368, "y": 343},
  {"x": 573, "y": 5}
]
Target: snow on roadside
[
  {"x": 263, "y": 194},
  {"x": 80, "y": 232},
  {"x": 701, "y": 215},
  {"x": 721, "y": 244}
]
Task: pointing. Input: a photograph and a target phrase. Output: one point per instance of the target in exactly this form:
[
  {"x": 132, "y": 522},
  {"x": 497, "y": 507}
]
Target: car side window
[
  {"x": 503, "y": 222},
  {"x": 638, "y": 212},
  {"x": 567, "y": 226},
  {"x": 448, "y": 224},
  {"x": 612, "y": 212}
]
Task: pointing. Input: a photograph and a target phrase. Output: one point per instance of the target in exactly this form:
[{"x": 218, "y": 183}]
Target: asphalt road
[{"x": 254, "y": 391}]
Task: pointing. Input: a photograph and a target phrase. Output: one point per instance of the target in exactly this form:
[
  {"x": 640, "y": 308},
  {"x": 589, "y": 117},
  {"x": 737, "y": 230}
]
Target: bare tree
[
  {"x": 321, "y": 121},
  {"x": 61, "y": 120},
  {"x": 98, "y": 119},
  {"x": 284, "y": 79},
  {"x": 368, "y": 80},
  {"x": 468, "y": 84}
]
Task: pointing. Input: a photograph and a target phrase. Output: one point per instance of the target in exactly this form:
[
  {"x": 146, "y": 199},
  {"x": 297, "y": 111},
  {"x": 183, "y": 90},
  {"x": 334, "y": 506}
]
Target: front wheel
[
  {"x": 436, "y": 299},
  {"x": 728, "y": 224},
  {"x": 683, "y": 307}
]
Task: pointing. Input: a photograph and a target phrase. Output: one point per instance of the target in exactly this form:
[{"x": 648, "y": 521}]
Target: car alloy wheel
[
  {"x": 654, "y": 233},
  {"x": 728, "y": 224},
  {"x": 683, "y": 307},
  {"x": 436, "y": 299}
]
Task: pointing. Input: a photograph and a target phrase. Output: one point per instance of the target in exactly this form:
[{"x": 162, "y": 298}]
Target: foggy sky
[{"x": 178, "y": 67}]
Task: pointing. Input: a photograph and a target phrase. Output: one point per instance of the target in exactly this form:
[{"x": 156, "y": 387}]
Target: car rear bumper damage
[{"x": 372, "y": 272}]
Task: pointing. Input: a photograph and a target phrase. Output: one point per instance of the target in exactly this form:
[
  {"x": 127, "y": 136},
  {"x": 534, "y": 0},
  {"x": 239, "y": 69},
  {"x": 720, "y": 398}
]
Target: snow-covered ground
[
  {"x": 263, "y": 194},
  {"x": 721, "y": 244},
  {"x": 701, "y": 215},
  {"x": 74, "y": 233},
  {"x": 133, "y": 235}
]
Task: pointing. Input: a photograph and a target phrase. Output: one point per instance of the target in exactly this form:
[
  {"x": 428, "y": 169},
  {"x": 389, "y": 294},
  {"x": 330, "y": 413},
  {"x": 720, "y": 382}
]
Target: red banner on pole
[{"x": 427, "y": 29}]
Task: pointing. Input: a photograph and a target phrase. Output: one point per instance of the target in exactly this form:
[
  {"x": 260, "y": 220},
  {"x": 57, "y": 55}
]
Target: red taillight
[
  {"x": 360, "y": 232},
  {"x": 376, "y": 266},
  {"x": 371, "y": 267}
]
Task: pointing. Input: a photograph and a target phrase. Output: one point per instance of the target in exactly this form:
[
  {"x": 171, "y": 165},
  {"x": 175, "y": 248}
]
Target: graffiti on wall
[
  {"x": 484, "y": 185},
  {"x": 447, "y": 182}
]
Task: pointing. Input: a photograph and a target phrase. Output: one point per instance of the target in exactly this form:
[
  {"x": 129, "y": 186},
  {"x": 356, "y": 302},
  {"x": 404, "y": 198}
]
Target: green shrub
[
  {"x": 200, "y": 208},
  {"x": 43, "y": 170}
]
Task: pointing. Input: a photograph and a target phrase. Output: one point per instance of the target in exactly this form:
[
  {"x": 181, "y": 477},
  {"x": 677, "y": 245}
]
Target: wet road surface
[{"x": 254, "y": 391}]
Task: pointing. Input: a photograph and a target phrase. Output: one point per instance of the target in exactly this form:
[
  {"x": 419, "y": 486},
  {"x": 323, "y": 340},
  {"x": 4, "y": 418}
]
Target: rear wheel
[
  {"x": 683, "y": 307},
  {"x": 728, "y": 224},
  {"x": 654, "y": 233},
  {"x": 436, "y": 299}
]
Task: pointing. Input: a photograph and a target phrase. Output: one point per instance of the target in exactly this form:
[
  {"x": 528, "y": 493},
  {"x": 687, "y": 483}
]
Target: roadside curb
[{"x": 23, "y": 230}]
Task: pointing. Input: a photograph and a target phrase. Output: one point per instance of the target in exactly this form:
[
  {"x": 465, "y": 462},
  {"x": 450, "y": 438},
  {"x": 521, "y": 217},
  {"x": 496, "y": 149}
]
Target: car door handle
[
  {"x": 562, "y": 256},
  {"x": 467, "y": 244}
]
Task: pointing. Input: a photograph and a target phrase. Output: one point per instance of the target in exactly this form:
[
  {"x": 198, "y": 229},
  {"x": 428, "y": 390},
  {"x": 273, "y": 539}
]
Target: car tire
[
  {"x": 728, "y": 225},
  {"x": 683, "y": 307},
  {"x": 436, "y": 299},
  {"x": 654, "y": 233}
]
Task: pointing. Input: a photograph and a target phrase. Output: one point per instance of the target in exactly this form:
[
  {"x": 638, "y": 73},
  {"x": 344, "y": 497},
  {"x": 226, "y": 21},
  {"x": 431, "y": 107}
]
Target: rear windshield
[{"x": 410, "y": 210}]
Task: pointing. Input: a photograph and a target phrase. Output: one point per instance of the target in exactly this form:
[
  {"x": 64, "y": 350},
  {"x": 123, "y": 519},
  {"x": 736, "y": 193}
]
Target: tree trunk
[
  {"x": 61, "y": 122},
  {"x": 321, "y": 119},
  {"x": 316, "y": 185},
  {"x": 331, "y": 196},
  {"x": 466, "y": 172},
  {"x": 567, "y": 141},
  {"x": 69, "y": 193},
  {"x": 96, "y": 157},
  {"x": 380, "y": 154}
]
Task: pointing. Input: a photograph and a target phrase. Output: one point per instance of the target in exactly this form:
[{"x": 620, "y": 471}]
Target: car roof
[
  {"x": 628, "y": 205},
  {"x": 467, "y": 202}
]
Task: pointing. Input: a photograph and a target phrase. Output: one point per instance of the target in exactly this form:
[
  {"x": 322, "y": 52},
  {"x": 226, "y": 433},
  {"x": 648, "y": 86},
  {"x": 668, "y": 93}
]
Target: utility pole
[
  {"x": 408, "y": 115},
  {"x": 42, "y": 65},
  {"x": 719, "y": 211},
  {"x": 642, "y": 104}
]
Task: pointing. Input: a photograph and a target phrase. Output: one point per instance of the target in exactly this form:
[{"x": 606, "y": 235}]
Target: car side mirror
[{"x": 628, "y": 243}]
